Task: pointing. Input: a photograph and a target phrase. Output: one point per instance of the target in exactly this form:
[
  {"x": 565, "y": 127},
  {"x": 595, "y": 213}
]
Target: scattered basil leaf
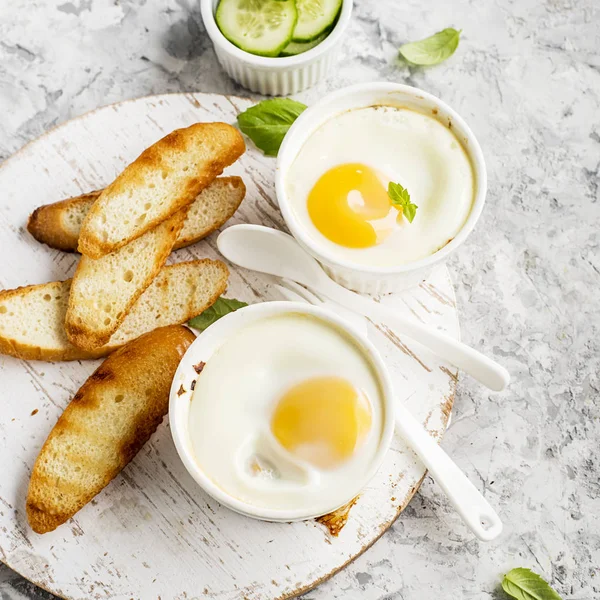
[
  {"x": 524, "y": 584},
  {"x": 432, "y": 50},
  {"x": 220, "y": 308},
  {"x": 400, "y": 197},
  {"x": 267, "y": 122}
]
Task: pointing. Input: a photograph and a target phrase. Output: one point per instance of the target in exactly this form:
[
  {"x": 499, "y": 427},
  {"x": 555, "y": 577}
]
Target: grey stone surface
[{"x": 527, "y": 78}]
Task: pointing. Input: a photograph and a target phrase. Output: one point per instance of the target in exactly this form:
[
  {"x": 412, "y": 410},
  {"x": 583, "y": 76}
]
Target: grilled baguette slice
[
  {"x": 104, "y": 289},
  {"x": 32, "y": 318},
  {"x": 58, "y": 224},
  {"x": 164, "y": 179},
  {"x": 108, "y": 421}
]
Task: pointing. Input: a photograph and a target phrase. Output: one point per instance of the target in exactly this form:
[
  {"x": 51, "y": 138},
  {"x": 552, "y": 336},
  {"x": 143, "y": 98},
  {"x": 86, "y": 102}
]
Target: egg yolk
[
  {"x": 345, "y": 204},
  {"x": 323, "y": 420}
]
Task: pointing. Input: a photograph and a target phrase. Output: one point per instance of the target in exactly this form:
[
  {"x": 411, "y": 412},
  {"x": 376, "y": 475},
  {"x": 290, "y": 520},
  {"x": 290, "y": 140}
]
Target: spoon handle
[
  {"x": 479, "y": 366},
  {"x": 473, "y": 508}
]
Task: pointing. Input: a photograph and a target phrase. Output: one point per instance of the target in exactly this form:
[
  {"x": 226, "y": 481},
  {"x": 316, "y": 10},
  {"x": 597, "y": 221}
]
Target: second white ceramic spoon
[{"x": 270, "y": 251}]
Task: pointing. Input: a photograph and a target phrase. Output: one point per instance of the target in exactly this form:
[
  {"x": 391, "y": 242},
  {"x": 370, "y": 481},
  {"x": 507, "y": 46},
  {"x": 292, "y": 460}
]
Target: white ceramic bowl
[
  {"x": 276, "y": 76},
  {"x": 373, "y": 279},
  {"x": 208, "y": 343}
]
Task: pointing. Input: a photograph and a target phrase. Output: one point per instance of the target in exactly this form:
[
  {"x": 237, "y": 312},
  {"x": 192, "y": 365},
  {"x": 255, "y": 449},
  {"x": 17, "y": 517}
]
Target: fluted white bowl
[
  {"x": 210, "y": 340},
  {"x": 373, "y": 279},
  {"x": 276, "y": 76}
]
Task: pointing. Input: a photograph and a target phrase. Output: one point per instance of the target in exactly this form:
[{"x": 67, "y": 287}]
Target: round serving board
[{"x": 152, "y": 533}]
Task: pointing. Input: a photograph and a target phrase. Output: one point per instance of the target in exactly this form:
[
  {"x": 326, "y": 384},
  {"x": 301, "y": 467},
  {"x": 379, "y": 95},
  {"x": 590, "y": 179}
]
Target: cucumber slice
[
  {"x": 314, "y": 17},
  {"x": 294, "y": 48},
  {"x": 262, "y": 27}
]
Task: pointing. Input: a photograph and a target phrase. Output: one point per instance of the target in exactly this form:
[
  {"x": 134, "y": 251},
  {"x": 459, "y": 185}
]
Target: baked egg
[
  {"x": 287, "y": 414},
  {"x": 338, "y": 185}
]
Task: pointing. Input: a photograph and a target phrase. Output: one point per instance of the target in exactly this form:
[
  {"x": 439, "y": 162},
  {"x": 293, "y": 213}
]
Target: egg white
[
  {"x": 233, "y": 402},
  {"x": 403, "y": 146}
]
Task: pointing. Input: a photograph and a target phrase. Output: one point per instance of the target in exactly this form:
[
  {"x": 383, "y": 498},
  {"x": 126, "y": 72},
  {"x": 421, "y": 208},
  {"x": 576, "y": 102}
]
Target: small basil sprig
[
  {"x": 432, "y": 50},
  {"x": 524, "y": 584},
  {"x": 267, "y": 122},
  {"x": 400, "y": 197},
  {"x": 220, "y": 308}
]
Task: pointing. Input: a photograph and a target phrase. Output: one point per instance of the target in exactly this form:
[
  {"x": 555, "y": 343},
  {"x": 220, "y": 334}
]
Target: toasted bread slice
[
  {"x": 104, "y": 289},
  {"x": 58, "y": 224},
  {"x": 164, "y": 179},
  {"x": 32, "y": 318},
  {"x": 108, "y": 421}
]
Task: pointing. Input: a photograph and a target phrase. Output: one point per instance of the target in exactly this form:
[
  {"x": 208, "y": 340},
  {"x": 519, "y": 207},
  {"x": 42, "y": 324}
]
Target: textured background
[{"x": 527, "y": 79}]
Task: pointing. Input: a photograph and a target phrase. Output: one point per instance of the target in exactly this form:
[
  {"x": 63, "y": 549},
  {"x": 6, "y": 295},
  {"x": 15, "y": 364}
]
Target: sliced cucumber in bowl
[
  {"x": 314, "y": 18},
  {"x": 261, "y": 27}
]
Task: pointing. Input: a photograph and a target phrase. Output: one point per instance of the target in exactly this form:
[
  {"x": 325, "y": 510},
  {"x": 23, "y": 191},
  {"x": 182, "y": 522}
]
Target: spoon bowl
[{"x": 270, "y": 251}]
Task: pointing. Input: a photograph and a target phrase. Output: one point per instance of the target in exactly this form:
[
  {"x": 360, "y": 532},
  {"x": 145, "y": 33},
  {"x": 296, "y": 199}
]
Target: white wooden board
[{"x": 152, "y": 533}]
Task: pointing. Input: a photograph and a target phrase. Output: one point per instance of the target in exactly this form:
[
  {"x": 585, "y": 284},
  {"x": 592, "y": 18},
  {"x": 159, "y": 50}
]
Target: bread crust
[
  {"x": 91, "y": 333},
  {"x": 179, "y": 143},
  {"x": 46, "y": 222},
  {"x": 84, "y": 451}
]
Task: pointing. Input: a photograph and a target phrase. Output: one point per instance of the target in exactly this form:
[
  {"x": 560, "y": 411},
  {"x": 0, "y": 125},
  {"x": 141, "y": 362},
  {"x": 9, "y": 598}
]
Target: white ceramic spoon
[
  {"x": 473, "y": 508},
  {"x": 270, "y": 251}
]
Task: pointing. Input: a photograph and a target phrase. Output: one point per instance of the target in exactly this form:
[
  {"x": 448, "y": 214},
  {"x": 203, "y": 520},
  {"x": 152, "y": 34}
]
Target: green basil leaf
[
  {"x": 432, "y": 50},
  {"x": 400, "y": 197},
  {"x": 524, "y": 584},
  {"x": 220, "y": 308},
  {"x": 267, "y": 122}
]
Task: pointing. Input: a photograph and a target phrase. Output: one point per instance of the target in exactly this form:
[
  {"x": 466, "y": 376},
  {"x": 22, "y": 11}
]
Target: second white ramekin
[
  {"x": 372, "y": 279},
  {"x": 276, "y": 76},
  {"x": 209, "y": 342}
]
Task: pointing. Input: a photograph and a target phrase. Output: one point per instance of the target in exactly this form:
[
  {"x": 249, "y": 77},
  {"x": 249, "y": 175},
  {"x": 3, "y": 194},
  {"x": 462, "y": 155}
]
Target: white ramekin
[
  {"x": 209, "y": 342},
  {"x": 372, "y": 279},
  {"x": 276, "y": 76}
]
